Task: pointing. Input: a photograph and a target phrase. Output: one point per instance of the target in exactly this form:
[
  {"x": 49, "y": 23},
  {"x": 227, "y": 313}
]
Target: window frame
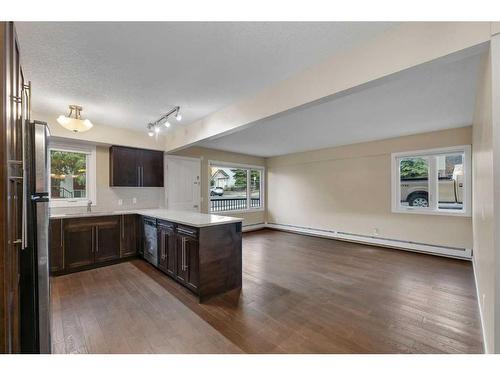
[
  {"x": 433, "y": 181},
  {"x": 90, "y": 151},
  {"x": 248, "y": 167}
]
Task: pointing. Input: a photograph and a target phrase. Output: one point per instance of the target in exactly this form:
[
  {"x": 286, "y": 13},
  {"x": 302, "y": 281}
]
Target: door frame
[{"x": 165, "y": 174}]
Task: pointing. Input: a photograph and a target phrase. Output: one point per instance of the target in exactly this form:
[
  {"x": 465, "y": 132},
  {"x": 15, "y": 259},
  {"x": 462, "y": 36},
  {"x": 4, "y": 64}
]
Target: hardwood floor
[{"x": 300, "y": 295}]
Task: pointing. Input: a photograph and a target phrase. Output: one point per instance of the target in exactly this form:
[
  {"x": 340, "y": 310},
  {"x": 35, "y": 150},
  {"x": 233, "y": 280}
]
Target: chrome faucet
[{"x": 89, "y": 206}]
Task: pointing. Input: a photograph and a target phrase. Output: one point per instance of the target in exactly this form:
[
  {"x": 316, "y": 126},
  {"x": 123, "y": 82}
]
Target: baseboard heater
[
  {"x": 447, "y": 251},
  {"x": 251, "y": 227}
]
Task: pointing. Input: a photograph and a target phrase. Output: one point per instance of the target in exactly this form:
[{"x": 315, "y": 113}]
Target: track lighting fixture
[{"x": 154, "y": 127}]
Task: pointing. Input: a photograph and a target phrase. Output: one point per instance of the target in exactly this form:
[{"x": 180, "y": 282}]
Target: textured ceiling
[
  {"x": 434, "y": 96},
  {"x": 127, "y": 74}
]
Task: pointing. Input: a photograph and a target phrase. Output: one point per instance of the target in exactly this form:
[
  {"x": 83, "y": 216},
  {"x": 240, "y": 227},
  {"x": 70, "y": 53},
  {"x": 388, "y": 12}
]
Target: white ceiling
[
  {"x": 127, "y": 74},
  {"x": 434, "y": 96}
]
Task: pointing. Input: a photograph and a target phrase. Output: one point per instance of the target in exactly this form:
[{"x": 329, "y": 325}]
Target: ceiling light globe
[
  {"x": 167, "y": 124},
  {"x": 178, "y": 117}
]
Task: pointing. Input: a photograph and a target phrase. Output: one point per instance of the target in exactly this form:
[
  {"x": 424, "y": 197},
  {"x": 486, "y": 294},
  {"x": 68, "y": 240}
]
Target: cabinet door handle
[
  {"x": 93, "y": 240},
  {"x": 184, "y": 260},
  {"x": 96, "y": 240},
  {"x": 163, "y": 243}
]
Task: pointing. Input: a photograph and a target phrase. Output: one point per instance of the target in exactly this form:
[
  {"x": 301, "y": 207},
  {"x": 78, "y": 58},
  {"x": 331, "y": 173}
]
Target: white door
[{"x": 183, "y": 183}]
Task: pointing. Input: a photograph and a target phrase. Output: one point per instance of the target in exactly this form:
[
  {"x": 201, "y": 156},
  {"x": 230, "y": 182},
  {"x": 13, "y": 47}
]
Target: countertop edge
[{"x": 144, "y": 212}]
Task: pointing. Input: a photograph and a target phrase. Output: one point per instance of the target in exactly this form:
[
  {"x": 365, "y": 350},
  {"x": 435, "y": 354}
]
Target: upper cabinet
[{"x": 135, "y": 167}]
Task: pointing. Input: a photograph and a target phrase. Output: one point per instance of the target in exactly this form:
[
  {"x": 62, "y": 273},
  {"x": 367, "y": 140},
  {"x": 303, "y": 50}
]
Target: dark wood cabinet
[
  {"x": 107, "y": 239},
  {"x": 135, "y": 167},
  {"x": 187, "y": 257},
  {"x": 130, "y": 234},
  {"x": 151, "y": 168},
  {"x": 123, "y": 166},
  {"x": 79, "y": 243},
  {"x": 167, "y": 260},
  {"x": 206, "y": 260},
  {"x": 192, "y": 263},
  {"x": 56, "y": 245}
]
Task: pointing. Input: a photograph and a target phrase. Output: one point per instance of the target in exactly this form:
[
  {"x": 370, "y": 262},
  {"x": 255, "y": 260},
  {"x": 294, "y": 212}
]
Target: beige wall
[
  {"x": 206, "y": 154},
  {"x": 107, "y": 197},
  {"x": 348, "y": 188}
]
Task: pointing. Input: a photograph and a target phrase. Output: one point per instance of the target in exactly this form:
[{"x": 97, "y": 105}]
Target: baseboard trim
[
  {"x": 446, "y": 251},
  {"x": 485, "y": 343},
  {"x": 252, "y": 227}
]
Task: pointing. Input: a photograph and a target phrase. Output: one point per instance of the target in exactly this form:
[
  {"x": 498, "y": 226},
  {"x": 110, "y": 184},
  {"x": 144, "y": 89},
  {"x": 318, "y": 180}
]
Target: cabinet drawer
[
  {"x": 166, "y": 224},
  {"x": 187, "y": 231}
]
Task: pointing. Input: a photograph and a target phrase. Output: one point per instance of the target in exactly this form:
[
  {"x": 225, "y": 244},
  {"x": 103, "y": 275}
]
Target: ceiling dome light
[{"x": 74, "y": 120}]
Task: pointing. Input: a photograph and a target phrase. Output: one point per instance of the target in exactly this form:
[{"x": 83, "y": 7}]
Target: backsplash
[{"x": 108, "y": 200}]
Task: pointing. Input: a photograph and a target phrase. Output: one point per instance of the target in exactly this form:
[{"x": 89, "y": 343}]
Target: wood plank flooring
[{"x": 300, "y": 295}]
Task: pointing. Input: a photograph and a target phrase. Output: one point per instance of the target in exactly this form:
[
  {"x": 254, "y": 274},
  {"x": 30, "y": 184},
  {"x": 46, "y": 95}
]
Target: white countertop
[{"x": 194, "y": 219}]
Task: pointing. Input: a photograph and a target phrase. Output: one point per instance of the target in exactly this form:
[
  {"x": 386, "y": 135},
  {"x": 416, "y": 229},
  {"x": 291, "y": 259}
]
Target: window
[
  {"x": 72, "y": 174},
  {"x": 432, "y": 181},
  {"x": 235, "y": 187}
]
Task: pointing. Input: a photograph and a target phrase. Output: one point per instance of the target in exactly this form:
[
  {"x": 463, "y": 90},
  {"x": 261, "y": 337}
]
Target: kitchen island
[{"x": 200, "y": 251}]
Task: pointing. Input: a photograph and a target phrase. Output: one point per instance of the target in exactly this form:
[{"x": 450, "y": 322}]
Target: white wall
[{"x": 483, "y": 214}]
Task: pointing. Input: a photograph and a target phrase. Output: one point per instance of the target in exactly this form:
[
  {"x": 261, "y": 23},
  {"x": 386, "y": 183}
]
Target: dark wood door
[
  {"x": 124, "y": 166},
  {"x": 167, "y": 249},
  {"x": 192, "y": 263},
  {"x": 107, "y": 239},
  {"x": 129, "y": 235},
  {"x": 78, "y": 243},
  {"x": 56, "y": 245},
  {"x": 151, "y": 163},
  {"x": 187, "y": 253}
]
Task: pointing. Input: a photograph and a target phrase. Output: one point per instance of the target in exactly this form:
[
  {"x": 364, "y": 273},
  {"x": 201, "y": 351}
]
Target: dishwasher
[{"x": 150, "y": 241}]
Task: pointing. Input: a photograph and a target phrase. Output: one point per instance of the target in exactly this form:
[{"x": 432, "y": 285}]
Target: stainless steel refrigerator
[{"x": 35, "y": 283}]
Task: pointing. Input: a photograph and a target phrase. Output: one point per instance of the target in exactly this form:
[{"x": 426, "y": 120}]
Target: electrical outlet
[
  {"x": 134, "y": 200},
  {"x": 120, "y": 202}
]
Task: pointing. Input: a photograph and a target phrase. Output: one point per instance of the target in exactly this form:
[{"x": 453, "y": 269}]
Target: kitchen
[{"x": 170, "y": 206}]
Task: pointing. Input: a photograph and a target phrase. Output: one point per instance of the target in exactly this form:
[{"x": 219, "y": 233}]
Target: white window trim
[
  {"x": 88, "y": 149},
  {"x": 225, "y": 164},
  {"x": 432, "y": 210}
]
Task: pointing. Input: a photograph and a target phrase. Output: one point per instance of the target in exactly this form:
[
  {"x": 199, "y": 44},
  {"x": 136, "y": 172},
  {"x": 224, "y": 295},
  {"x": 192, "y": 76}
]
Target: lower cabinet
[
  {"x": 178, "y": 253},
  {"x": 80, "y": 243},
  {"x": 107, "y": 239},
  {"x": 130, "y": 235},
  {"x": 167, "y": 257},
  {"x": 188, "y": 257},
  {"x": 56, "y": 245}
]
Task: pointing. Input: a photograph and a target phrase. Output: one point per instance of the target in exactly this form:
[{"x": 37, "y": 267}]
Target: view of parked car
[
  {"x": 216, "y": 191},
  {"x": 414, "y": 191}
]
